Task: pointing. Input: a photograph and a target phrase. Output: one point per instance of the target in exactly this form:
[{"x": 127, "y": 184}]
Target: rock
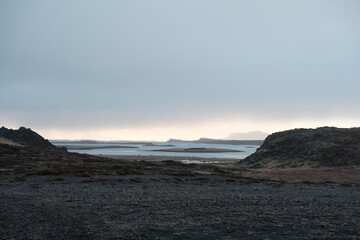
[
  {"x": 28, "y": 138},
  {"x": 321, "y": 147}
]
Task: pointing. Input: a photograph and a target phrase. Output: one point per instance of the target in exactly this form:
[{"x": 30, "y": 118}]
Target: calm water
[{"x": 143, "y": 150}]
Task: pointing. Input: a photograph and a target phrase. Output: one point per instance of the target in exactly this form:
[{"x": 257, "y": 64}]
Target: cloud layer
[{"x": 136, "y": 64}]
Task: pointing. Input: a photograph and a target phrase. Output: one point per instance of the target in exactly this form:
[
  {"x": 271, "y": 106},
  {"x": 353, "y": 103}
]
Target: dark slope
[
  {"x": 321, "y": 147},
  {"x": 27, "y": 138}
]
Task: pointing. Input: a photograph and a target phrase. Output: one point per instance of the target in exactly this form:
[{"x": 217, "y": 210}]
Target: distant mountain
[
  {"x": 177, "y": 140},
  {"x": 74, "y": 141},
  {"x": 231, "y": 142},
  {"x": 255, "y": 135}
]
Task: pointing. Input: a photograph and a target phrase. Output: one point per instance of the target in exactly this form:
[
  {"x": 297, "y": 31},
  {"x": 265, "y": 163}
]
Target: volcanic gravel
[{"x": 155, "y": 206}]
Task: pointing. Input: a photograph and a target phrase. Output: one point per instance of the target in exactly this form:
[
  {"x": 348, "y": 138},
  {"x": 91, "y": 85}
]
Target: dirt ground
[
  {"x": 57, "y": 195},
  {"x": 157, "y": 206}
]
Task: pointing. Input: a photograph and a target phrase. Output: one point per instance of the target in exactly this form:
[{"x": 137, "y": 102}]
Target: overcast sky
[{"x": 188, "y": 68}]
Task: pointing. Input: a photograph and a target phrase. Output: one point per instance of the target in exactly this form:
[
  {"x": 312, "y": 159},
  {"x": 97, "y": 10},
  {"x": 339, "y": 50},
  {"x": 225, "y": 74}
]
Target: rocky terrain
[
  {"x": 49, "y": 193},
  {"x": 315, "y": 148},
  {"x": 25, "y": 153},
  {"x": 160, "y": 206}
]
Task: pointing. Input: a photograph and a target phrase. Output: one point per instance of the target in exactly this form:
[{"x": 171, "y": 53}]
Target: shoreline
[
  {"x": 76, "y": 164},
  {"x": 233, "y": 168},
  {"x": 155, "y": 158}
]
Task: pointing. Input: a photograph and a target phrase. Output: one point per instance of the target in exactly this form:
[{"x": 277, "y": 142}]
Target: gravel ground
[{"x": 154, "y": 206}]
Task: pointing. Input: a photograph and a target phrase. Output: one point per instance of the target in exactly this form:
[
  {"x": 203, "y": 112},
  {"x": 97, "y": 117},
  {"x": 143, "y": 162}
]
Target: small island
[
  {"x": 197, "y": 150},
  {"x": 157, "y": 145}
]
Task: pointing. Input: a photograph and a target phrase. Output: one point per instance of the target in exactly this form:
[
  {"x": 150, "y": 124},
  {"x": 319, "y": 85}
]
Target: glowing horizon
[{"x": 210, "y": 129}]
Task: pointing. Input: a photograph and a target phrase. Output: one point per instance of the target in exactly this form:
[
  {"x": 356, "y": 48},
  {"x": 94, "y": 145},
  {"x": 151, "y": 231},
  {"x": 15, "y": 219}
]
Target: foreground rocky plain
[
  {"x": 48, "y": 193},
  {"x": 167, "y": 207}
]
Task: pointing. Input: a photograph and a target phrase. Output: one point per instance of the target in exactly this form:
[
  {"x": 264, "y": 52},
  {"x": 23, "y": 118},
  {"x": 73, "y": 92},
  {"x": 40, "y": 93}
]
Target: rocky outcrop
[
  {"x": 27, "y": 138},
  {"x": 321, "y": 147}
]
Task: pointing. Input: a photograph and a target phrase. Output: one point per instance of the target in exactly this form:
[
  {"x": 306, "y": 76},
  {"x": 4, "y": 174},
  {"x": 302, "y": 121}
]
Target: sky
[{"x": 153, "y": 70}]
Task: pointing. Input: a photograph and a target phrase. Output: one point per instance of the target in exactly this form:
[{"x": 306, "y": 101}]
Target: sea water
[{"x": 144, "y": 149}]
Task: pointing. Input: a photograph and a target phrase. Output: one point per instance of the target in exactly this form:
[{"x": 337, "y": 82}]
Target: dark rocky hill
[
  {"x": 321, "y": 147},
  {"x": 27, "y": 138}
]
